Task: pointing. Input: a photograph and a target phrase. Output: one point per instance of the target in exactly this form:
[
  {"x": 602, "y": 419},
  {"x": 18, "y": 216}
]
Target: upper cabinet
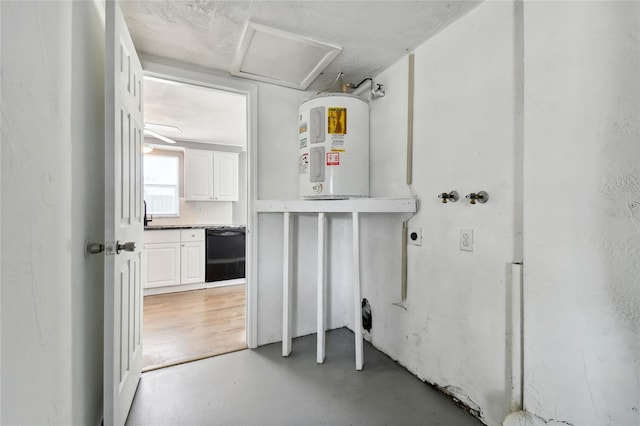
[
  {"x": 225, "y": 176},
  {"x": 210, "y": 175},
  {"x": 198, "y": 172}
]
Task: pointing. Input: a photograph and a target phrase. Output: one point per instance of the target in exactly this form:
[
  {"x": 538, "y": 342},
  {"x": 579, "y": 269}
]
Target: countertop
[{"x": 165, "y": 227}]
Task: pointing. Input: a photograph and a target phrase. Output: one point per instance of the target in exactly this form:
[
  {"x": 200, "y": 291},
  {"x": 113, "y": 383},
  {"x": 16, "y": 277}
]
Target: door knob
[
  {"x": 93, "y": 248},
  {"x": 130, "y": 246},
  {"x": 108, "y": 248}
]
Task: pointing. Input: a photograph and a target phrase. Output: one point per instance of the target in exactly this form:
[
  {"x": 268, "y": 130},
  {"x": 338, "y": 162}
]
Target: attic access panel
[{"x": 279, "y": 57}]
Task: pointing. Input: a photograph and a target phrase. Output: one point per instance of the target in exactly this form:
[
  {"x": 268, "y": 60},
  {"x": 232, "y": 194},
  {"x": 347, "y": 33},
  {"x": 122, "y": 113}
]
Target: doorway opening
[{"x": 196, "y": 193}]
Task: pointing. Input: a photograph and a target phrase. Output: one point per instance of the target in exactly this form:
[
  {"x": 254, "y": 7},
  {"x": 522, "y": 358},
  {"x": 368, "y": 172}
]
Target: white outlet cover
[
  {"x": 414, "y": 236},
  {"x": 466, "y": 240}
]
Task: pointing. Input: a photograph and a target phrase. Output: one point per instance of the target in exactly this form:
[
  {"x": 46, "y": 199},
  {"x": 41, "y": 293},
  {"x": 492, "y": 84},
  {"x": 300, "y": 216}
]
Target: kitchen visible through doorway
[{"x": 190, "y": 314}]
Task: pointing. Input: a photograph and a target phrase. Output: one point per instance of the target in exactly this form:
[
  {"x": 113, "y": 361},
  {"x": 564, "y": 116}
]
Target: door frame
[{"x": 191, "y": 74}]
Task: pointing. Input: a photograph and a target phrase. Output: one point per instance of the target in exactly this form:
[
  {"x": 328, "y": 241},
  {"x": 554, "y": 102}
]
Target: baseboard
[{"x": 188, "y": 287}]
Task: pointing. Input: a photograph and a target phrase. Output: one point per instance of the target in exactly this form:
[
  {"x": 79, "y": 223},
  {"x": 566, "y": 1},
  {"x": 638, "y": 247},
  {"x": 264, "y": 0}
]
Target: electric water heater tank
[{"x": 333, "y": 150}]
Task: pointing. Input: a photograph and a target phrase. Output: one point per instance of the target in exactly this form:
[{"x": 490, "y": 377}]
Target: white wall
[
  {"x": 52, "y": 162},
  {"x": 36, "y": 205},
  {"x": 582, "y": 216},
  {"x": 51, "y": 203},
  {"x": 1, "y": 276},
  {"x": 239, "y": 208},
  {"x": 87, "y": 209},
  {"x": 580, "y": 209},
  {"x": 451, "y": 329}
]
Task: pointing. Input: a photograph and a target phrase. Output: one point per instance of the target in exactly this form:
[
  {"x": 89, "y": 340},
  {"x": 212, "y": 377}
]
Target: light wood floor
[{"x": 191, "y": 325}]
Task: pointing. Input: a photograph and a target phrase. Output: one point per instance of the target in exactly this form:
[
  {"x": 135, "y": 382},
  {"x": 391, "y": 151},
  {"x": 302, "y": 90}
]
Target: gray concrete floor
[{"x": 260, "y": 387}]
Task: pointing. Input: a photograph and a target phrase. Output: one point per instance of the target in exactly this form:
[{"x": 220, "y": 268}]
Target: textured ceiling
[
  {"x": 202, "y": 114},
  {"x": 373, "y": 34}
]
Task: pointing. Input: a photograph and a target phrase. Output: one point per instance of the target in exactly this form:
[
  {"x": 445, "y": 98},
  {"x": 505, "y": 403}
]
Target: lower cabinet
[
  {"x": 173, "y": 257},
  {"x": 192, "y": 256},
  {"x": 162, "y": 264}
]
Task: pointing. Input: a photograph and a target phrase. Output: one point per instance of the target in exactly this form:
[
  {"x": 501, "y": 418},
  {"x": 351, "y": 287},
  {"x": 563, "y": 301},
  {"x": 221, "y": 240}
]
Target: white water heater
[{"x": 333, "y": 150}]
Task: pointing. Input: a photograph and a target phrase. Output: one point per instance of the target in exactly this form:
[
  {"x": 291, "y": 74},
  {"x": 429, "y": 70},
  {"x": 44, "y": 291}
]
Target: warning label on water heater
[
  {"x": 333, "y": 158},
  {"x": 337, "y": 121},
  {"x": 337, "y": 143},
  {"x": 303, "y": 165}
]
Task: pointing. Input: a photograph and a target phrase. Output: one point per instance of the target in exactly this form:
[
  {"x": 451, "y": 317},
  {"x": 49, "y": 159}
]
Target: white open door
[{"x": 123, "y": 219}]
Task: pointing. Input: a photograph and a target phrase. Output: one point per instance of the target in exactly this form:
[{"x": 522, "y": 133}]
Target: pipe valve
[
  {"x": 481, "y": 197},
  {"x": 451, "y": 196}
]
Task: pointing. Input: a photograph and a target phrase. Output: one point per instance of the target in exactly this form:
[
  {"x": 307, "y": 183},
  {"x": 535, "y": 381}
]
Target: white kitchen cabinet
[
  {"x": 198, "y": 173},
  {"x": 211, "y": 175},
  {"x": 192, "y": 256},
  {"x": 225, "y": 176},
  {"x": 161, "y": 258},
  {"x": 173, "y": 257}
]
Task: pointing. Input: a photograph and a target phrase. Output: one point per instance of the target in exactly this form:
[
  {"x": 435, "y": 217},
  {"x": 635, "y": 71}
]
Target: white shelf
[{"x": 353, "y": 205}]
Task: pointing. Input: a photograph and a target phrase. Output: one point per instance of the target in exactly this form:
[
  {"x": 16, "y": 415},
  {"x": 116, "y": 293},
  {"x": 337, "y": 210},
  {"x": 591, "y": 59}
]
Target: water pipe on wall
[
  {"x": 405, "y": 228},
  {"x": 377, "y": 90}
]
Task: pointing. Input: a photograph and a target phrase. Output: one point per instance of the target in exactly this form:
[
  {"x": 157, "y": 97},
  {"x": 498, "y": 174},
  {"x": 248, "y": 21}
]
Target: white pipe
[
  {"x": 322, "y": 252},
  {"x": 410, "y": 123},
  {"x": 357, "y": 325},
  {"x": 403, "y": 288},
  {"x": 287, "y": 281},
  {"x": 517, "y": 352}
]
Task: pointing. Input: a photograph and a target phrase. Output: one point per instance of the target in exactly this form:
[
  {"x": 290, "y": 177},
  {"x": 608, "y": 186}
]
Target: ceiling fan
[
  {"x": 148, "y": 132},
  {"x": 158, "y": 136}
]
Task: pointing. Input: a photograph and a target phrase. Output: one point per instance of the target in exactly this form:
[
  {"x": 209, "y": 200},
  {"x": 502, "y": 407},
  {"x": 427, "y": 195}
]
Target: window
[{"x": 161, "y": 185}]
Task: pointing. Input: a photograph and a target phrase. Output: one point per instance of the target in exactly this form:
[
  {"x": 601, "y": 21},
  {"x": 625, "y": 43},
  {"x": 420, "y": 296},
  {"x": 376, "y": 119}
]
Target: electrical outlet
[
  {"x": 414, "y": 236},
  {"x": 466, "y": 240},
  {"x": 199, "y": 210}
]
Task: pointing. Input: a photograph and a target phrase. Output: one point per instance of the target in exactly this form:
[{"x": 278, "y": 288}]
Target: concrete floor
[{"x": 260, "y": 387}]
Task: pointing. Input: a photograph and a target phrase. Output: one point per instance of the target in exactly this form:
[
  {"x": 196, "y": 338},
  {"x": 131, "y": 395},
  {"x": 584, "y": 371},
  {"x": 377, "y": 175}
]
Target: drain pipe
[
  {"x": 518, "y": 415},
  {"x": 410, "y": 123},
  {"x": 405, "y": 228},
  {"x": 517, "y": 338}
]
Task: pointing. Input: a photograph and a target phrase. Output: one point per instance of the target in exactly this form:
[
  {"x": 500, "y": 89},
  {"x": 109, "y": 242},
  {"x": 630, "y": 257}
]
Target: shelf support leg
[
  {"x": 286, "y": 286},
  {"x": 321, "y": 287},
  {"x": 357, "y": 324}
]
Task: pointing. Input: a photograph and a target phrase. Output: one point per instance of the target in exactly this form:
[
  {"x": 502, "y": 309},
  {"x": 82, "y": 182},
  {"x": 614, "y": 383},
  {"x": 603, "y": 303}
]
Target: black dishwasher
[{"x": 225, "y": 253}]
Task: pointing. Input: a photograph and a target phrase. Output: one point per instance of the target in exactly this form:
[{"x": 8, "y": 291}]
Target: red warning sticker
[{"x": 333, "y": 158}]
